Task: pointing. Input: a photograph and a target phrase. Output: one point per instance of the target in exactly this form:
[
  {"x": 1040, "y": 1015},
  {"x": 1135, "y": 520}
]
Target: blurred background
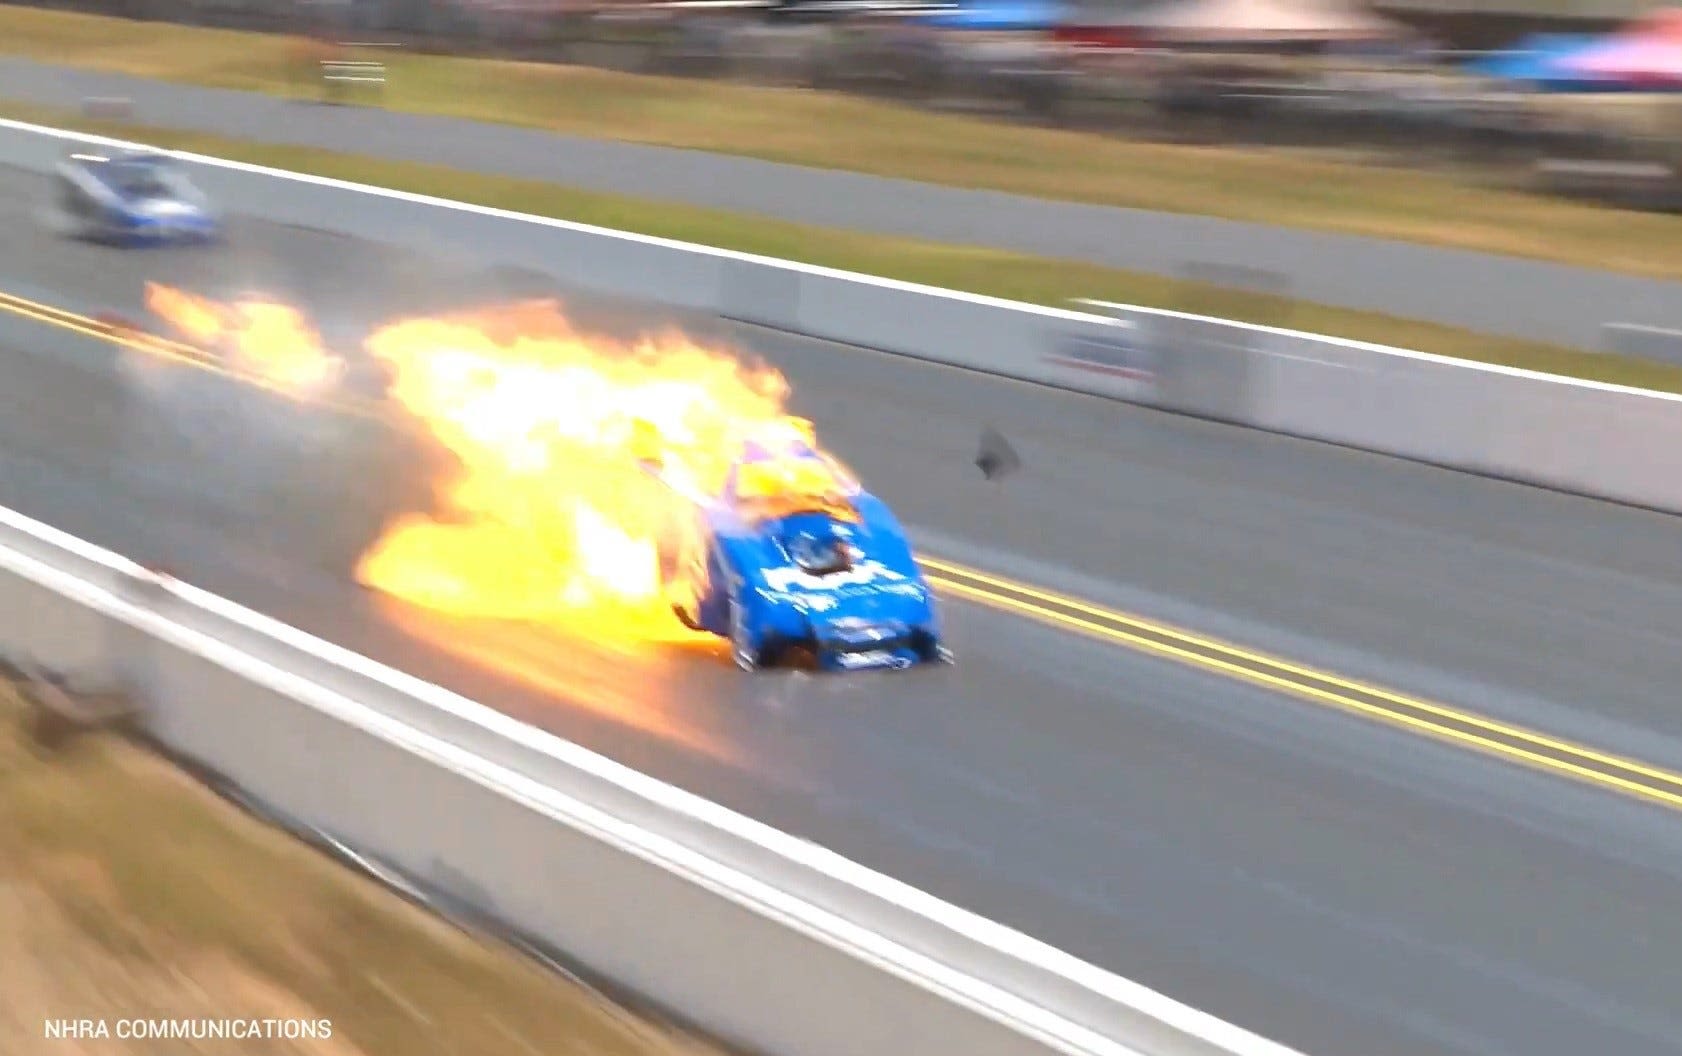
[{"x": 1571, "y": 98}]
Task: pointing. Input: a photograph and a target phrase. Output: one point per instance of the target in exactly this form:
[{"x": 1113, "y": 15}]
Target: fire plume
[
  {"x": 549, "y": 515},
  {"x": 258, "y": 338},
  {"x": 551, "y": 512}
]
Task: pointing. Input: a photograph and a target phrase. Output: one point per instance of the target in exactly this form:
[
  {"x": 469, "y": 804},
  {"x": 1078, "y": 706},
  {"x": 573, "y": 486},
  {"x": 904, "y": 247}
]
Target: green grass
[
  {"x": 1001, "y": 274},
  {"x": 836, "y": 131},
  {"x": 127, "y": 890}
]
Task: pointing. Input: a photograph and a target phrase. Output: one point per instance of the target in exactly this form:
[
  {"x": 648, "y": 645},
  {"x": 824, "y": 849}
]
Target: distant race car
[
  {"x": 133, "y": 198},
  {"x": 794, "y": 555}
]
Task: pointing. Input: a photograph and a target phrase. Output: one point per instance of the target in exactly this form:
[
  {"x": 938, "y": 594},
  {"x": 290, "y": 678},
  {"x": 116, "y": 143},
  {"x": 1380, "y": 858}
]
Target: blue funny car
[
  {"x": 794, "y": 554},
  {"x": 133, "y": 198}
]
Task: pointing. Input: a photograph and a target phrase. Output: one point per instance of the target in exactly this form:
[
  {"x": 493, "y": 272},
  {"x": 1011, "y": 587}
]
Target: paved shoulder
[{"x": 1502, "y": 295}]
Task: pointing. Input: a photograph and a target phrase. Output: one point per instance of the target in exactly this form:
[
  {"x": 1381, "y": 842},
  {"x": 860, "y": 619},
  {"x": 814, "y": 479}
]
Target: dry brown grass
[
  {"x": 129, "y": 891},
  {"x": 837, "y": 131}
]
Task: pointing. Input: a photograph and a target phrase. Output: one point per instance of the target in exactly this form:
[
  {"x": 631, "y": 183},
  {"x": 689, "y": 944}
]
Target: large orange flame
[
  {"x": 258, "y": 338},
  {"x": 550, "y": 515}
]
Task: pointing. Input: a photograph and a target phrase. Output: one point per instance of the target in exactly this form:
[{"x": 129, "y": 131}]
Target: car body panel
[
  {"x": 134, "y": 198},
  {"x": 730, "y": 569}
]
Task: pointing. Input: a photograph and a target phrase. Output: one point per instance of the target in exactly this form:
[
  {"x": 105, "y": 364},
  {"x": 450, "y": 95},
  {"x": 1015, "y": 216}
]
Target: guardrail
[
  {"x": 1652, "y": 343},
  {"x": 353, "y": 71},
  {"x": 342, "y": 73},
  {"x": 673, "y": 896}
]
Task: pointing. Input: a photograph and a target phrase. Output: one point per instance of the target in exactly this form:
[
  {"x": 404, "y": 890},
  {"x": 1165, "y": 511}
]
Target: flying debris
[{"x": 996, "y": 459}]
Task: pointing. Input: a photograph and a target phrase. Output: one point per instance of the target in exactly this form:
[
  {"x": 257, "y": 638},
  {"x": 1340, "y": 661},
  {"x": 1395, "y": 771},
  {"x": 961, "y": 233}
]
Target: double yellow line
[
  {"x": 105, "y": 330},
  {"x": 179, "y": 353},
  {"x": 1505, "y": 741},
  {"x": 1438, "y": 721}
]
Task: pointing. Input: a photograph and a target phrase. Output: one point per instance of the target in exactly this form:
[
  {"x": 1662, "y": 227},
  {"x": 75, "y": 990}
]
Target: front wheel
[
  {"x": 934, "y": 651},
  {"x": 744, "y": 650}
]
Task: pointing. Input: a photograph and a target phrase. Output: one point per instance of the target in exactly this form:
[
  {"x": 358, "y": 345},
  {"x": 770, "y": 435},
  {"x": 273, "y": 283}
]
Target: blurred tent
[
  {"x": 1104, "y": 23},
  {"x": 1635, "y": 64},
  {"x": 1663, "y": 24},
  {"x": 1264, "y": 22},
  {"x": 1541, "y": 61},
  {"x": 1646, "y": 55},
  {"x": 1000, "y": 16}
]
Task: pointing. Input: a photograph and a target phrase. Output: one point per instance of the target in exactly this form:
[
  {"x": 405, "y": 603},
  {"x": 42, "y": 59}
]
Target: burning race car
[
  {"x": 134, "y": 198},
  {"x": 794, "y": 554}
]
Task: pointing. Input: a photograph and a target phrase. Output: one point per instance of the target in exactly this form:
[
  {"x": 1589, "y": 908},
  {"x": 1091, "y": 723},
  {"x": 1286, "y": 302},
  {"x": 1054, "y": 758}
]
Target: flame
[
  {"x": 257, "y": 338},
  {"x": 200, "y": 320},
  {"x": 550, "y": 515}
]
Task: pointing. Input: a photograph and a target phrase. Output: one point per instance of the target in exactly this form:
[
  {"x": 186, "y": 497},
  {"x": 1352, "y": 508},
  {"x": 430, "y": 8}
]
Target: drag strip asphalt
[
  {"x": 1340, "y": 885},
  {"x": 1529, "y": 299}
]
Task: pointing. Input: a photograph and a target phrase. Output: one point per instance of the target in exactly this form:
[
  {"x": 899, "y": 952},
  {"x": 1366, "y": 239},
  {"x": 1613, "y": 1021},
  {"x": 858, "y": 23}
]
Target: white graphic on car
[{"x": 866, "y": 572}]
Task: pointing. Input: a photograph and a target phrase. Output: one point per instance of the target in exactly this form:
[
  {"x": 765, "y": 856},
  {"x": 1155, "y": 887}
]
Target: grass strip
[
  {"x": 829, "y": 130},
  {"x": 998, "y": 273},
  {"x": 127, "y": 890}
]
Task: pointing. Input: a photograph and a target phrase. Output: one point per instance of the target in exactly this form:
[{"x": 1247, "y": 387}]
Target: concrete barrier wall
[
  {"x": 1643, "y": 342},
  {"x": 1605, "y": 441},
  {"x": 1613, "y": 443},
  {"x": 770, "y": 942},
  {"x": 568, "y": 874},
  {"x": 890, "y": 316},
  {"x": 629, "y": 904},
  {"x": 1597, "y": 440}
]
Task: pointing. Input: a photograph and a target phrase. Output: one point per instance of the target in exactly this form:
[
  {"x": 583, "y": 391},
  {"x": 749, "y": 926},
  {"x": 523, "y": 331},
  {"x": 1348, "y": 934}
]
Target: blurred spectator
[{"x": 1236, "y": 71}]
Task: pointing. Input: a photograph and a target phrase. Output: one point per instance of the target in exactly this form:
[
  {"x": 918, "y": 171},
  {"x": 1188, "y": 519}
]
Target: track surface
[
  {"x": 1344, "y": 888},
  {"x": 1529, "y": 299}
]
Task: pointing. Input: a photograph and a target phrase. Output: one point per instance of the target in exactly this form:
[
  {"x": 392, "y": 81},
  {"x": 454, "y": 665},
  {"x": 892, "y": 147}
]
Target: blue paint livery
[
  {"x": 134, "y": 199},
  {"x": 734, "y": 573}
]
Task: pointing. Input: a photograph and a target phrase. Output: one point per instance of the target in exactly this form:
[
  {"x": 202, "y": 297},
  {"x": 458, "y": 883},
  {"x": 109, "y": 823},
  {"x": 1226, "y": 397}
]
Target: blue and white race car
[
  {"x": 794, "y": 555},
  {"x": 132, "y": 198}
]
